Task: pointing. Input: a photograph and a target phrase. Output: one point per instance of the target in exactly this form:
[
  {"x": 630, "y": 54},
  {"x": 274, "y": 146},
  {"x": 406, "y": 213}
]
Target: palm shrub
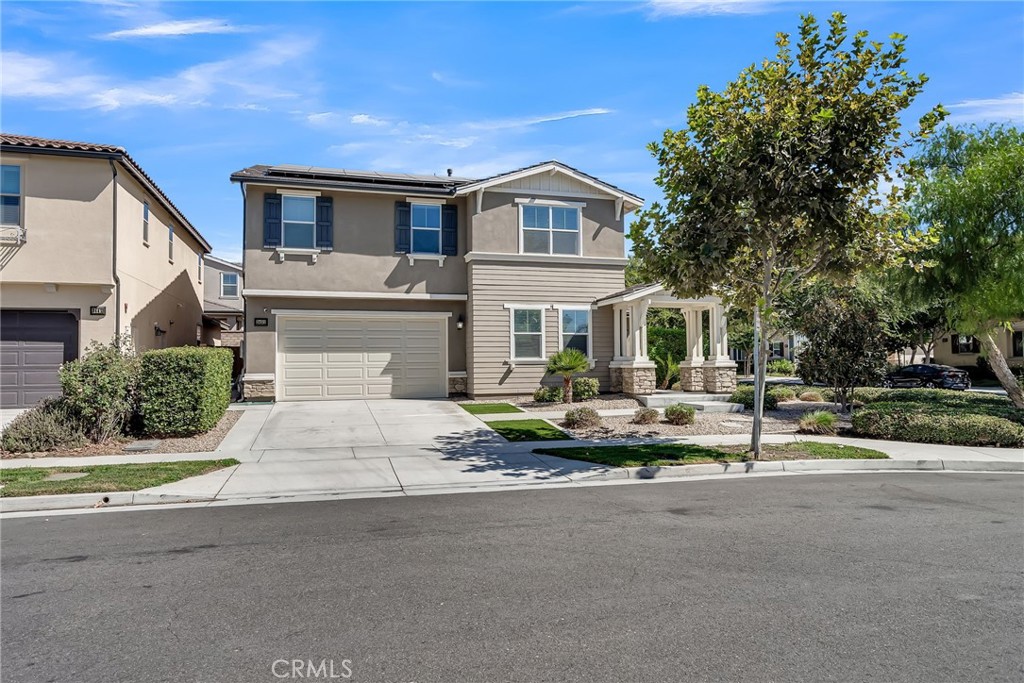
[
  {"x": 666, "y": 369},
  {"x": 566, "y": 363},
  {"x": 101, "y": 389},
  {"x": 680, "y": 414},
  {"x": 818, "y": 422}
]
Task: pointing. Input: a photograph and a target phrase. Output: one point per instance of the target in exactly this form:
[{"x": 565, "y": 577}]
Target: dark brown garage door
[{"x": 33, "y": 344}]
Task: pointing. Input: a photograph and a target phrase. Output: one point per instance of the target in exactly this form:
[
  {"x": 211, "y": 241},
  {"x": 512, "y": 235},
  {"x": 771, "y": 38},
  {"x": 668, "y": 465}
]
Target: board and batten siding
[{"x": 493, "y": 285}]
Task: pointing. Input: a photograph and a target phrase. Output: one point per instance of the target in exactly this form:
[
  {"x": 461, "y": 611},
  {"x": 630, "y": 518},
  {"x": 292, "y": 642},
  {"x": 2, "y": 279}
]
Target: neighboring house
[
  {"x": 89, "y": 247},
  {"x": 363, "y": 284},
  {"x": 222, "y": 303},
  {"x": 962, "y": 350}
]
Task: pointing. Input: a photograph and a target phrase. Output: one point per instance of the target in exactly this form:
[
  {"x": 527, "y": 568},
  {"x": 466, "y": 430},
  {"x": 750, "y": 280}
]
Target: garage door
[
  {"x": 33, "y": 345},
  {"x": 331, "y": 358}
]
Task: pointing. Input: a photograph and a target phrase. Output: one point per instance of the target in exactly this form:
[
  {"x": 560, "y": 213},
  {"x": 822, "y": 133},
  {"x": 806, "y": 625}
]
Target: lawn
[
  {"x": 31, "y": 481},
  {"x": 662, "y": 455},
  {"x": 489, "y": 408},
  {"x": 528, "y": 430}
]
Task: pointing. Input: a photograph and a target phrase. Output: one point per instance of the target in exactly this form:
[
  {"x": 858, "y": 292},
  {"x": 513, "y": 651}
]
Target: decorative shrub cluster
[
  {"x": 584, "y": 388},
  {"x": 811, "y": 397},
  {"x": 646, "y": 416},
  {"x": 782, "y": 394},
  {"x": 781, "y": 366},
  {"x": 47, "y": 427},
  {"x": 101, "y": 388},
  {"x": 184, "y": 390},
  {"x": 906, "y": 421},
  {"x": 548, "y": 395},
  {"x": 818, "y": 422},
  {"x": 745, "y": 394},
  {"x": 679, "y": 414},
  {"x": 582, "y": 417}
]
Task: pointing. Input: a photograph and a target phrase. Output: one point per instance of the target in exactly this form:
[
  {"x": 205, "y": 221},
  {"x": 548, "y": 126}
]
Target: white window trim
[
  {"x": 21, "y": 194},
  {"x": 237, "y": 287},
  {"x": 413, "y": 257},
  {"x": 285, "y": 249},
  {"x": 512, "y": 308},
  {"x": 590, "y": 329},
  {"x": 412, "y": 233},
  {"x": 147, "y": 213},
  {"x": 202, "y": 264},
  {"x": 170, "y": 243},
  {"x": 551, "y": 230}
]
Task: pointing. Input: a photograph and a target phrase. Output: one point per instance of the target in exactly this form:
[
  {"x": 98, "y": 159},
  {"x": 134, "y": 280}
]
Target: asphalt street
[{"x": 880, "y": 577}]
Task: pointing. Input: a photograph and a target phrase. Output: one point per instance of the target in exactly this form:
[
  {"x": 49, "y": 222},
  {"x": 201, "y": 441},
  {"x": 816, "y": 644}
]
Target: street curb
[{"x": 93, "y": 500}]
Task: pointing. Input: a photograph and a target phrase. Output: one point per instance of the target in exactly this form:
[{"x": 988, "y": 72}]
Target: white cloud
[
  {"x": 186, "y": 27},
  {"x": 367, "y": 120},
  {"x": 527, "y": 121},
  {"x": 1008, "y": 107},
  {"x": 452, "y": 81},
  {"x": 657, "y": 9}
]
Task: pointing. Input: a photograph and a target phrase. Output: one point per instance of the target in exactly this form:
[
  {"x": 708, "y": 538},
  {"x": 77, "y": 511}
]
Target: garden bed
[{"x": 200, "y": 443}]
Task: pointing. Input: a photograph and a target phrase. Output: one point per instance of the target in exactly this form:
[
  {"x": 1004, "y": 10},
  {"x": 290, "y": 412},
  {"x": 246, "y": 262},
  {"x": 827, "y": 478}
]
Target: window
[
  {"x": 170, "y": 243},
  {"x": 145, "y": 222},
  {"x": 963, "y": 343},
  {"x": 1017, "y": 344},
  {"x": 778, "y": 349},
  {"x": 298, "y": 222},
  {"x": 527, "y": 333},
  {"x": 200, "y": 269},
  {"x": 426, "y": 229},
  {"x": 575, "y": 329},
  {"x": 229, "y": 285},
  {"x": 10, "y": 195},
  {"x": 550, "y": 229}
]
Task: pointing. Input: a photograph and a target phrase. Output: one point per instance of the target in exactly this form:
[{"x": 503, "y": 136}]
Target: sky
[{"x": 197, "y": 90}]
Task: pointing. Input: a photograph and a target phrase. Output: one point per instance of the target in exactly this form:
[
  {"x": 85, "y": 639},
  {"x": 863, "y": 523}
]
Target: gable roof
[
  {"x": 25, "y": 143},
  {"x": 630, "y": 293},
  {"x": 551, "y": 166},
  {"x": 214, "y": 261}
]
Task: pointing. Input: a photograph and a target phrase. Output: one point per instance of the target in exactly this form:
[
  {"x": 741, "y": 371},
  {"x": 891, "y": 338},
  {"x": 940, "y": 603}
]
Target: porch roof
[{"x": 657, "y": 295}]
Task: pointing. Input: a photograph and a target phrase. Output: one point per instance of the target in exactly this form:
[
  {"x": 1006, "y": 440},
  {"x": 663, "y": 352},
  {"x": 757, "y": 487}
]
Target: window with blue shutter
[
  {"x": 449, "y": 230},
  {"x": 271, "y": 220},
  {"x": 403, "y": 227},
  {"x": 324, "y": 223}
]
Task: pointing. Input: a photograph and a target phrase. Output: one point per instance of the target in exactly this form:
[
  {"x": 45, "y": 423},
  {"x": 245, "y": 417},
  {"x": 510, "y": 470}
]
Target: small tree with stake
[
  {"x": 776, "y": 178},
  {"x": 568, "y": 362}
]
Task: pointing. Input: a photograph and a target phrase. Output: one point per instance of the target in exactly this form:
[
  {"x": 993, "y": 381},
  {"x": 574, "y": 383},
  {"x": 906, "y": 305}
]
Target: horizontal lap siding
[{"x": 494, "y": 285}]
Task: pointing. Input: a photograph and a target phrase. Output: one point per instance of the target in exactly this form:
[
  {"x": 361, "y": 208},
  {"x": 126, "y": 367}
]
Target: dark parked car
[{"x": 929, "y": 377}]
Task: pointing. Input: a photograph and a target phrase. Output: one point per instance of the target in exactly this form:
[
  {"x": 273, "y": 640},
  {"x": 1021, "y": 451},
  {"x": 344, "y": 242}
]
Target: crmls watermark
[{"x": 325, "y": 669}]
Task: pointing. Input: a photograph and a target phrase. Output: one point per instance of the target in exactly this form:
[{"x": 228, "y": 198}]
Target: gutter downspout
[
  {"x": 245, "y": 304},
  {"x": 113, "y": 264}
]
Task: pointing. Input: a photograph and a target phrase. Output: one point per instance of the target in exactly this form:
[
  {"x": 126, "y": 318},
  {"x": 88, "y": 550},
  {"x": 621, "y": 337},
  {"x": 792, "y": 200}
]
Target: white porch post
[
  {"x": 719, "y": 369},
  {"x": 641, "y": 319},
  {"x": 714, "y": 333},
  {"x": 617, "y": 324},
  {"x": 694, "y": 336},
  {"x": 635, "y": 329}
]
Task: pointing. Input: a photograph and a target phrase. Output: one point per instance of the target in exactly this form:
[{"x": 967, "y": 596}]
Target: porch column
[
  {"x": 641, "y": 320},
  {"x": 691, "y": 370},
  {"x": 719, "y": 369},
  {"x": 617, "y": 325}
]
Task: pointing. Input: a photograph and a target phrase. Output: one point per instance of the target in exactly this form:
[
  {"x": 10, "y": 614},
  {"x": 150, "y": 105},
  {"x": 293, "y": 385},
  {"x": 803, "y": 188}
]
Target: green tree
[
  {"x": 777, "y": 177},
  {"x": 568, "y": 362},
  {"x": 971, "y": 198}
]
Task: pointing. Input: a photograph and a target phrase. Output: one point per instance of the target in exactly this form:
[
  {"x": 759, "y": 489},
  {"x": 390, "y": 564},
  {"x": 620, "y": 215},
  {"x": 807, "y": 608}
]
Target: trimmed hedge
[
  {"x": 745, "y": 394},
  {"x": 184, "y": 390},
  {"x": 904, "y": 421}
]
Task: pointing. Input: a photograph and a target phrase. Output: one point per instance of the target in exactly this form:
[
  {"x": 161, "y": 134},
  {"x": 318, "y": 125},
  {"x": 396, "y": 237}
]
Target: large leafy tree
[
  {"x": 776, "y": 178},
  {"x": 971, "y": 197}
]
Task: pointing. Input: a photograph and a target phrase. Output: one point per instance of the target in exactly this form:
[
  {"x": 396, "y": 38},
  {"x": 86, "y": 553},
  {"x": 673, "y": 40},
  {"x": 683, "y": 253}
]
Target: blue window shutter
[
  {"x": 324, "y": 223},
  {"x": 449, "y": 230},
  {"x": 271, "y": 220},
  {"x": 403, "y": 227}
]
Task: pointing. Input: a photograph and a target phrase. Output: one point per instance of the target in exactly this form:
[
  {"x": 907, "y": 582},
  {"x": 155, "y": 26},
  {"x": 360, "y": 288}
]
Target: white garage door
[{"x": 329, "y": 358}]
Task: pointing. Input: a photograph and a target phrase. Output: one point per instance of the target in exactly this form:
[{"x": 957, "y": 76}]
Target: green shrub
[
  {"x": 781, "y": 366},
  {"x": 745, "y": 394},
  {"x": 916, "y": 422},
  {"x": 646, "y": 416},
  {"x": 945, "y": 400},
  {"x": 584, "y": 388},
  {"x": 818, "y": 422},
  {"x": 680, "y": 414},
  {"x": 101, "y": 389},
  {"x": 47, "y": 427},
  {"x": 582, "y": 417},
  {"x": 666, "y": 340},
  {"x": 782, "y": 394},
  {"x": 811, "y": 397},
  {"x": 548, "y": 395},
  {"x": 184, "y": 390}
]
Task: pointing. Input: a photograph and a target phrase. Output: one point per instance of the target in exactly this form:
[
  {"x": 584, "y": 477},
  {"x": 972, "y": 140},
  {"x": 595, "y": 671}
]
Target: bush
[
  {"x": 811, "y": 397},
  {"x": 646, "y": 416},
  {"x": 818, "y": 422},
  {"x": 781, "y": 366},
  {"x": 915, "y": 422},
  {"x": 582, "y": 417},
  {"x": 584, "y": 388},
  {"x": 548, "y": 395},
  {"x": 101, "y": 389},
  {"x": 680, "y": 414},
  {"x": 782, "y": 394},
  {"x": 184, "y": 390},
  {"x": 745, "y": 394},
  {"x": 666, "y": 340},
  {"x": 47, "y": 427}
]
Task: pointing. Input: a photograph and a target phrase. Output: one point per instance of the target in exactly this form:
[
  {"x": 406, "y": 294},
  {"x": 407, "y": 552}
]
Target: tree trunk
[
  {"x": 567, "y": 388},
  {"x": 759, "y": 381},
  {"x": 998, "y": 362}
]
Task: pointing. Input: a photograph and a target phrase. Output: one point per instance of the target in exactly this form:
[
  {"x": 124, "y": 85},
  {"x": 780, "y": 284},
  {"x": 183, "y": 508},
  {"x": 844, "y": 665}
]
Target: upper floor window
[
  {"x": 550, "y": 229},
  {"x": 170, "y": 243},
  {"x": 298, "y": 222},
  {"x": 963, "y": 343},
  {"x": 200, "y": 269},
  {"x": 229, "y": 285},
  {"x": 426, "y": 229},
  {"x": 10, "y": 195},
  {"x": 575, "y": 329},
  {"x": 145, "y": 222}
]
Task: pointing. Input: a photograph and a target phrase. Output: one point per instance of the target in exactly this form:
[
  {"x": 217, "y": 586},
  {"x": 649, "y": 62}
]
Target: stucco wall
[
  {"x": 211, "y": 286},
  {"x": 944, "y": 350},
  {"x": 76, "y": 298}
]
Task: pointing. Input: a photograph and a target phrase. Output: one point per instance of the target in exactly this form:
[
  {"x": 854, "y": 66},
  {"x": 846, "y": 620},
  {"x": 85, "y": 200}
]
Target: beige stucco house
[
  {"x": 962, "y": 350},
  {"x": 89, "y": 247},
  {"x": 362, "y": 284},
  {"x": 223, "y": 306}
]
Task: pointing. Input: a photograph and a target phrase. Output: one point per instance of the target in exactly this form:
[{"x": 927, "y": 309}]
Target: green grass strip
[
  {"x": 31, "y": 481},
  {"x": 528, "y": 430},
  {"x": 663, "y": 455},
  {"x": 489, "y": 408}
]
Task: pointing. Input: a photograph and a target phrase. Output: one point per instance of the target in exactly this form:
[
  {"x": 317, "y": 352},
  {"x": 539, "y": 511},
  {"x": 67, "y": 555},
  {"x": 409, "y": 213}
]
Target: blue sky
[{"x": 197, "y": 90}]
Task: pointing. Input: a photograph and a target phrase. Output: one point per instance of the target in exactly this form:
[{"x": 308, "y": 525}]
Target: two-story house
[
  {"x": 90, "y": 248},
  {"x": 362, "y": 284},
  {"x": 222, "y": 302}
]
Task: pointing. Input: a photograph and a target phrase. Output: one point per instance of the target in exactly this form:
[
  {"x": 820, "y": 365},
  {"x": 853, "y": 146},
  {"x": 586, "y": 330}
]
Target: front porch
[{"x": 632, "y": 370}]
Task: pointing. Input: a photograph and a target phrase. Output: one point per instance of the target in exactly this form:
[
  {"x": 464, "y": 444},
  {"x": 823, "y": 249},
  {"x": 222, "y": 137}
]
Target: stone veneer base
[{"x": 691, "y": 378}]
